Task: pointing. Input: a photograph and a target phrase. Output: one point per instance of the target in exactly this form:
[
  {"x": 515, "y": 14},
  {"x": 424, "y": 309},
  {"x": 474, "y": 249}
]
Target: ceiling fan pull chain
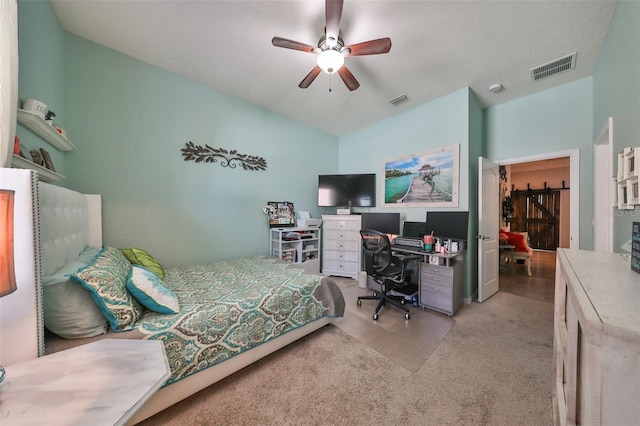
[{"x": 329, "y": 82}]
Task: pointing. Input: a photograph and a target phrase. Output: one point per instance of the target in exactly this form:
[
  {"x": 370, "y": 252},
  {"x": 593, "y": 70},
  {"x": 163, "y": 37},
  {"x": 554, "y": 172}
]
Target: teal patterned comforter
[{"x": 231, "y": 306}]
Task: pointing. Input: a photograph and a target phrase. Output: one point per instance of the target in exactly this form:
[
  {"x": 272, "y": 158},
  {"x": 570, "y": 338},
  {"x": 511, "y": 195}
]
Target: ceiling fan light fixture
[{"x": 330, "y": 61}]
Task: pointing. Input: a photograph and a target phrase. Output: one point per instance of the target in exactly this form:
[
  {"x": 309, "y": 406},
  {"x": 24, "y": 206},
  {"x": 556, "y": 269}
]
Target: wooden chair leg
[{"x": 527, "y": 264}]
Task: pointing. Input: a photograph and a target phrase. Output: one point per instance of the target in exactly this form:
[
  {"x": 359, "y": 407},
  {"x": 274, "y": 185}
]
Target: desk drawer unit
[
  {"x": 440, "y": 287},
  {"x": 341, "y": 245}
]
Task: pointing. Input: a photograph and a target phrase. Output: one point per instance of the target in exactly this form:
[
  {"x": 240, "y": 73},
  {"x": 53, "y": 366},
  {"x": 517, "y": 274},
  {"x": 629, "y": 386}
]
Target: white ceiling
[{"x": 438, "y": 47}]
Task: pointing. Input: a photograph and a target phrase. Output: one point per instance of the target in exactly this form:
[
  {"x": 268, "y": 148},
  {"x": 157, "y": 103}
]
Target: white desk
[{"x": 100, "y": 383}]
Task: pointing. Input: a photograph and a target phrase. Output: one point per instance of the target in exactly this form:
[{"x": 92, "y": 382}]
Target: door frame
[
  {"x": 574, "y": 185},
  {"x": 602, "y": 189}
]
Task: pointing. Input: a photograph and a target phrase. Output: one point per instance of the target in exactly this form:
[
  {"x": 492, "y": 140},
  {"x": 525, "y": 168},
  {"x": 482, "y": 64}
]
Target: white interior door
[
  {"x": 488, "y": 228},
  {"x": 602, "y": 181}
]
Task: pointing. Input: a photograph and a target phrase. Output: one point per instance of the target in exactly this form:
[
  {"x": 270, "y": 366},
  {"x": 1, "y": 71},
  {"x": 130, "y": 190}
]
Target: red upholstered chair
[{"x": 522, "y": 251}]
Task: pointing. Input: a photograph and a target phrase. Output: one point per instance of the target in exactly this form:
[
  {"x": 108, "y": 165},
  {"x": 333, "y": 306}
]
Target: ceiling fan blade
[
  {"x": 306, "y": 82},
  {"x": 371, "y": 47},
  {"x": 290, "y": 44},
  {"x": 348, "y": 78},
  {"x": 333, "y": 11}
]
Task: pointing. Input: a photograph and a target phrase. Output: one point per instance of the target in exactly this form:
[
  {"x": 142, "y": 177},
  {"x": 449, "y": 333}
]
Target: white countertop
[
  {"x": 100, "y": 383},
  {"x": 603, "y": 275}
]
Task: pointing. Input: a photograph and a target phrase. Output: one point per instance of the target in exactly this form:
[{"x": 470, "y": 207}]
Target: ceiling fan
[{"x": 331, "y": 50}]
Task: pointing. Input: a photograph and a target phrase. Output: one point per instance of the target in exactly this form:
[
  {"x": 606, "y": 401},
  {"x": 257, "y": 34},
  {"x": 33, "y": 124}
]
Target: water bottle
[{"x": 414, "y": 301}]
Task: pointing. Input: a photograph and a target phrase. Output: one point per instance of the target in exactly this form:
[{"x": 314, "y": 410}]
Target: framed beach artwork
[{"x": 427, "y": 179}]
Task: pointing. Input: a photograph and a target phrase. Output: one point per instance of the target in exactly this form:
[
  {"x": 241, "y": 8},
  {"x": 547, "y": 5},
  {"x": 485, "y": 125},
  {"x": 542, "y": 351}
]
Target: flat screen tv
[
  {"x": 347, "y": 190},
  {"x": 448, "y": 224}
]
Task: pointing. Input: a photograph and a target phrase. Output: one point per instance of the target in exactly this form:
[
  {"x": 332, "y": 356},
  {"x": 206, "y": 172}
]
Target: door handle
[{"x": 481, "y": 237}]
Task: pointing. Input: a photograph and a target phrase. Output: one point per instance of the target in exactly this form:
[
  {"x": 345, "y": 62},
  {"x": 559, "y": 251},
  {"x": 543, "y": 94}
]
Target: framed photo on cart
[{"x": 281, "y": 214}]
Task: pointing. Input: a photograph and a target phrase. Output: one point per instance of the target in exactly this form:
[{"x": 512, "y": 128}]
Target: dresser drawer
[
  {"x": 353, "y": 225},
  {"x": 342, "y": 235},
  {"x": 339, "y": 267},
  {"x": 439, "y": 270},
  {"x": 346, "y": 256},
  {"x": 342, "y": 245},
  {"x": 436, "y": 280},
  {"x": 436, "y": 297}
]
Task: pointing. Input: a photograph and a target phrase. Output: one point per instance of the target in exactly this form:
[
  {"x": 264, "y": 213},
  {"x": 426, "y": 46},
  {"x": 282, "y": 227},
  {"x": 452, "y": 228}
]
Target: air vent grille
[
  {"x": 557, "y": 66},
  {"x": 400, "y": 99}
]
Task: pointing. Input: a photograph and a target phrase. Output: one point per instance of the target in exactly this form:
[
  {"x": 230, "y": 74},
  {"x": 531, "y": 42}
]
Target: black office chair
[{"x": 386, "y": 269}]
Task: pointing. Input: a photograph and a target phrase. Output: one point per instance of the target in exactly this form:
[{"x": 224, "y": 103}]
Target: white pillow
[
  {"x": 148, "y": 289},
  {"x": 69, "y": 310}
]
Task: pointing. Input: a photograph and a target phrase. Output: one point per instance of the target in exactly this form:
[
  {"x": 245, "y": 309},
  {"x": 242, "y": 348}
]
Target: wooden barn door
[{"x": 538, "y": 213}]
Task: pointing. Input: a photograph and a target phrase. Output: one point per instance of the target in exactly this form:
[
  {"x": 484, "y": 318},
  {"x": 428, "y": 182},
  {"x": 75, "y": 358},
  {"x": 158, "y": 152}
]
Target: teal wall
[
  {"x": 553, "y": 120},
  {"x": 616, "y": 84},
  {"x": 439, "y": 123},
  {"x": 129, "y": 121},
  {"x": 476, "y": 149},
  {"x": 442, "y": 122},
  {"x": 41, "y": 69}
]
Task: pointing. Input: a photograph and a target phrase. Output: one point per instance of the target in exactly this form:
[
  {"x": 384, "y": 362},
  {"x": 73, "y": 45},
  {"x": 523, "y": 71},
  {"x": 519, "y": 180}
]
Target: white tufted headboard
[
  {"x": 69, "y": 221},
  {"x": 52, "y": 224}
]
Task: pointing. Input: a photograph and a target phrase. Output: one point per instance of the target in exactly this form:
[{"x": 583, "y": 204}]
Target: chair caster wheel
[
  {"x": 407, "y": 316},
  {"x": 375, "y": 317},
  {"x": 359, "y": 302},
  {"x": 402, "y": 301}
]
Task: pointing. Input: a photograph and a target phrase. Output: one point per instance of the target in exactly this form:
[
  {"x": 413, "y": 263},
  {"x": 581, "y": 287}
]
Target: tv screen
[
  {"x": 347, "y": 190},
  {"x": 448, "y": 224},
  {"x": 387, "y": 223}
]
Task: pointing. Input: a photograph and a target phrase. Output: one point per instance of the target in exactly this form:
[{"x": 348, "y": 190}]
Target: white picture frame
[{"x": 425, "y": 179}]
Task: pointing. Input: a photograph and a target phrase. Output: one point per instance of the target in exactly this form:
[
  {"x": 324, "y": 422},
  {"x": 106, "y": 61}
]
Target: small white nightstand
[{"x": 100, "y": 383}]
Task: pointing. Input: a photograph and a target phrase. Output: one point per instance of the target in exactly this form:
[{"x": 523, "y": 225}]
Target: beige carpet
[
  {"x": 492, "y": 368},
  {"x": 408, "y": 343}
]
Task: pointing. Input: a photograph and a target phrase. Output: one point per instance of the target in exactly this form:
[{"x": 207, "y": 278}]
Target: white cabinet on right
[{"x": 596, "y": 342}]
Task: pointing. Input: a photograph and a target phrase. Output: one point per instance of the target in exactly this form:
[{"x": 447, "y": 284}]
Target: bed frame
[{"x": 69, "y": 220}]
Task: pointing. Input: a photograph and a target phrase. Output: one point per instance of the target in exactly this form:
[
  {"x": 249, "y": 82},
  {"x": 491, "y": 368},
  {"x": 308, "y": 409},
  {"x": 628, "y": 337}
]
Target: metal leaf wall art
[{"x": 231, "y": 159}]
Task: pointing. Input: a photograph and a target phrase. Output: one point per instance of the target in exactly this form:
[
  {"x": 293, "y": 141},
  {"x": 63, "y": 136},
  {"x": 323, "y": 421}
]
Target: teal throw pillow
[
  {"x": 106, "y": 279},
  {"x": 151, "y": 292}
]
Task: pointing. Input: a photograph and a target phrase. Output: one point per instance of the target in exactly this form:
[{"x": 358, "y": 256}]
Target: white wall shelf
[
  {"x": 626, "y": 181},
  {"x": 44, "y": 174},
  {"x": 37, "y": 125}
]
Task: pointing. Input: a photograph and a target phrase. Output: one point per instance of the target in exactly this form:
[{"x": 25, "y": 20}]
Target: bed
[{"x": 228, "y": 314}]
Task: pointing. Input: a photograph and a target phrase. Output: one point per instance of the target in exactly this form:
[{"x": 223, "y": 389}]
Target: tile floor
[{"x": 540, "y": 286}]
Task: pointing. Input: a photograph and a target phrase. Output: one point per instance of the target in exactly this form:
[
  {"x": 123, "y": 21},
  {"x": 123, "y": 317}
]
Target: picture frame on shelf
[
  {"x": 23, "y": 152},
  {"x": 281, "y": 214},
  {"x": 36, "y": 157},
  {"x": 46, "y": 160}
]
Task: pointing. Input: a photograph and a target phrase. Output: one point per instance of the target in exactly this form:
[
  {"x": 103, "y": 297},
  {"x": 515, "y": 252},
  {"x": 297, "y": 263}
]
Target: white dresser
[
  {"x": 341, "y": 245},
  {"x": 596, "y": 343}
]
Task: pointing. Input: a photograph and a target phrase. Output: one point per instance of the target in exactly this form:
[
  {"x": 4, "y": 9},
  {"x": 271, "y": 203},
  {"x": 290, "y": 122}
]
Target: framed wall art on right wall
[{"x": 426, "y": 179}]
